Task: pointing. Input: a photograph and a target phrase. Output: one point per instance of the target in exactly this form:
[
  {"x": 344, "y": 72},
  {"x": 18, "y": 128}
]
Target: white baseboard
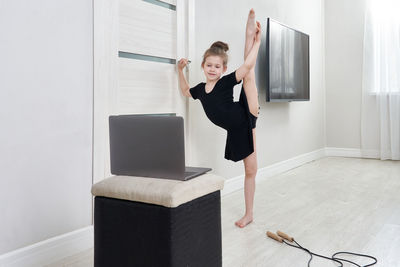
[
  {"x": 50, "y": 250},
  {"x": 351, "y": 153},
  {"x": 236, "y": 183}
]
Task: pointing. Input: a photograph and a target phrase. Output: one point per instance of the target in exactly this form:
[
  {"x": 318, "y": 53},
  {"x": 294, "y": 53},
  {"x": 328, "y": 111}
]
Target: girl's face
[{"x": 213, "y": 68}]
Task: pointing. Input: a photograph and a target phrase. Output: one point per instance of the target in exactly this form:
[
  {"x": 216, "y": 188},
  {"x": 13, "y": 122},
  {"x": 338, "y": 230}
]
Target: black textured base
[{"x": 128, "y": 233}]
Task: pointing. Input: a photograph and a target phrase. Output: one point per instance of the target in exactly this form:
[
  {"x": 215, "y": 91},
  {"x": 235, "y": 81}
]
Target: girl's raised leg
[
  {"x": 249, "y": 82},
  {"x": 250, "y": 32},
  {"x": 249, "y": 86},
  {"x": 253, "y": 29}
]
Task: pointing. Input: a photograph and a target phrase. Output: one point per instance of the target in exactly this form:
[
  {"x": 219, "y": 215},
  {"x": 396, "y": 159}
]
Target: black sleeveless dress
[{"x": 235, "y": 117}]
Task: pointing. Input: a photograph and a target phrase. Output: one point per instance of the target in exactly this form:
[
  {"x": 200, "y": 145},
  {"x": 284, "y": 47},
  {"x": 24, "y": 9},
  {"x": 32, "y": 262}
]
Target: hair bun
[{"x": 220, "y": 45}]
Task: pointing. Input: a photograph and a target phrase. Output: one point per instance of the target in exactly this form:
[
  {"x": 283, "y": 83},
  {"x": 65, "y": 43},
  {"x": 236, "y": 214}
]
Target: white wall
[
  {"x": 284, "y": 130},
  {"x": 46, "y": 81},
  {"x": 344, "y": 24}
]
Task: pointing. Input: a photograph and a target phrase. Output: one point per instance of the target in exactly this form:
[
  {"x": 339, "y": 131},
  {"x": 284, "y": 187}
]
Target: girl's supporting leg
[{"x": 250, "y": 165}]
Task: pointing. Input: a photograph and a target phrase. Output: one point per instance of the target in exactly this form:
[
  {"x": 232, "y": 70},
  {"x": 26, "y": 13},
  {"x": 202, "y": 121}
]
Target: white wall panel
[
  {"x": 147, "y": 29},
  {"x": 344, "y": 41},
  {"x": 46, "y": 101},
  {"x": 147, "y": 87}
]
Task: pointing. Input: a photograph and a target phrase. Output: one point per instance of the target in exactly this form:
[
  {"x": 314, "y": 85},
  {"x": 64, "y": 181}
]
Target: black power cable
[{"x": 333, "y": 258}]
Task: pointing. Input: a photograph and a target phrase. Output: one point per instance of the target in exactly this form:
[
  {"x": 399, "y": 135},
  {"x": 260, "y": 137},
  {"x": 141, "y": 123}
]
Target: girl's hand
[
  {"x": 182, "y": 63},
  {"x": 258, "y": 33}
]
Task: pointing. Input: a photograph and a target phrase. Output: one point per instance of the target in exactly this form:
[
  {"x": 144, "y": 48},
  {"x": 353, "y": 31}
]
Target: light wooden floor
[{"x": 329, "y": 205}]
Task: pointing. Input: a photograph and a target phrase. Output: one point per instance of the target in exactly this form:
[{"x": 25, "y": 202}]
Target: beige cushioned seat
[{"x": 163, "y": 192}]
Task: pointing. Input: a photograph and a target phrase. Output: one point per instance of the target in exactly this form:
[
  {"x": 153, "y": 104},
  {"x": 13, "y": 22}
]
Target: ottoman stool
[{"x": 157, "y": 222}]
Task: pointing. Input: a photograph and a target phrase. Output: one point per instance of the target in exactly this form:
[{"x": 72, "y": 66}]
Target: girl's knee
[
  {"x": 251, "y": 171},
  {"x": 251, "y": 175}
]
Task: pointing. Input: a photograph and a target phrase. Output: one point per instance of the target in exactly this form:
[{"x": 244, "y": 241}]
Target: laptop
[{"x": 149, "y": 146}]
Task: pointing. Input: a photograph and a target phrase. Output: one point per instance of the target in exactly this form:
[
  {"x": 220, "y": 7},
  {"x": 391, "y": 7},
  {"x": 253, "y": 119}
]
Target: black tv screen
[{"x": 288, "y": 68}]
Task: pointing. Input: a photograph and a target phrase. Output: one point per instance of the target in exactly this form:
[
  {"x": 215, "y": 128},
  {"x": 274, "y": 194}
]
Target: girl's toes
[{"x": 252, "y": 13}]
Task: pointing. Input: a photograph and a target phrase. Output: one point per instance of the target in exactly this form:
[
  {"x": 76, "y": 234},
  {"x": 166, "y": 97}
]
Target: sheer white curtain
[{"x": 380, "y": 115}]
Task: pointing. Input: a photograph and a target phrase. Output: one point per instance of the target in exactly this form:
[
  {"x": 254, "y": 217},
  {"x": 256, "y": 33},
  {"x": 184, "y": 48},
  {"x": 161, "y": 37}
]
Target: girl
[{"x": 238, "y": 118}]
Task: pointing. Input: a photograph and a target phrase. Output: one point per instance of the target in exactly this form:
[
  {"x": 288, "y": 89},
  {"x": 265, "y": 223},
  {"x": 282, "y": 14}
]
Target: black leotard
[{"x": 234, "y": 117}]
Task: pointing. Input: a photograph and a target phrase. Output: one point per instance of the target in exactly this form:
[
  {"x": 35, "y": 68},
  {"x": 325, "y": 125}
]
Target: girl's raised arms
[{"x": 182, "y": 80}]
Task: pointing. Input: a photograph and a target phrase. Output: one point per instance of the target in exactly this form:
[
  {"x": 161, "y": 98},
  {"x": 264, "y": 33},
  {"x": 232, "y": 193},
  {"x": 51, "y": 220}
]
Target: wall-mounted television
[{"x": 288, "y": 67}]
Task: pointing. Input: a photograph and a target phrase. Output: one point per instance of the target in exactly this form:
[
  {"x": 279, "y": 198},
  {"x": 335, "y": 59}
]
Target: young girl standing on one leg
[{"x": 238, "y": 118}]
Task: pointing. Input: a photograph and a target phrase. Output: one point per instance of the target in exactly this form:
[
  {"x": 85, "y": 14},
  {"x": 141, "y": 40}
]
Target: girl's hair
[{"x": 217, "y": 49}]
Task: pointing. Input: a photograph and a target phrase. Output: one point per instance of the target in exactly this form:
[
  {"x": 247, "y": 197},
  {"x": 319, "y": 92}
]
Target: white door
[{"x": 136, "y": 46}]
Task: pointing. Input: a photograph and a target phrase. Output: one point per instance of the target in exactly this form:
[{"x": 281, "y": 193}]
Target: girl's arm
[
  {"x": 251, "y": 58},
  {"x": 182, "y": 80}
]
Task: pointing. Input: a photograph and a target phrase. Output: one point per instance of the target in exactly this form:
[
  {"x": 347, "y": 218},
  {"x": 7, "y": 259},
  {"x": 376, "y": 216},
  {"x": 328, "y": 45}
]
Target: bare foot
[
  {"x": 245, "y": 220},
  {"x": 251, "y": 30},
  {"x": 251, "y": 24}
]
